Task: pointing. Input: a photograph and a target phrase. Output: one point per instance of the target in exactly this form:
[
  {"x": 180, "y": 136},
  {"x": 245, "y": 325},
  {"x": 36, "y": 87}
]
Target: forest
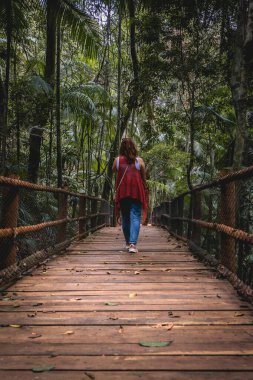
[{"x": 78, "y": 75}]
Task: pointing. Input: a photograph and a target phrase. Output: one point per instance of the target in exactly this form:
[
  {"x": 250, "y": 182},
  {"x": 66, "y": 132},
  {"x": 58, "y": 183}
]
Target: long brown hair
[{"x": 128, "y": 149}]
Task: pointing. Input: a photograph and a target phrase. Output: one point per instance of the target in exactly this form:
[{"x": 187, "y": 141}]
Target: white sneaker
[{"x": 132, "y": 248}]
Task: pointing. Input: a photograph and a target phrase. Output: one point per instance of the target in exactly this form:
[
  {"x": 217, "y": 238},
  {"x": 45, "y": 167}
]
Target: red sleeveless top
[{"x": 131, "y": 186}]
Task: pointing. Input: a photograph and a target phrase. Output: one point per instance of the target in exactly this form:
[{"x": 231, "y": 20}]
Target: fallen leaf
[
  {"x": 6, "y": 299},
  {"x": 136, "y": 272},
  {"x": 218, "y": 296},
  {"x": 37, "y": 304},
  {"x": 167, "y": 326},
  {"x": 238, "y": 314},
  {"x": 48, "y": 311},
  {"x": 69, "y": 332},
  {"x": 34, "y": 336},
  {"x": 78, "y": 299},
  {"x": 113, "y": 318},
  {"x": 16, "y": 306},
  {"x": 155, "y": 344},
  {"x": 167, "y": 270},
  {"x": 32, "y": 315},
  {"x": 15, "y": 326},
  {"x": 90, "y": 375},
  {"x": 108, "y": 272},
  {"x": 43, "y": 369},
  {"x": 111, "y": 303},
  {"x": 121, "y": 329},
  {"x": 132, "y": 295}
]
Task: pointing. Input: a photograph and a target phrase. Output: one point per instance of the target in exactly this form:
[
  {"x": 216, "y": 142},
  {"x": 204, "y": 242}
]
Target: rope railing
[
  {"x": 216, "y": 219},
  {"x": 34, "y": 225}
]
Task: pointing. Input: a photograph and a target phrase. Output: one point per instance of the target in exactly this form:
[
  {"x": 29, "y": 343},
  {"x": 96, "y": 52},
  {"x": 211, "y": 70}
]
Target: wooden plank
[
  {"x": 65, "y": 349},
  {"x": 51, "y": 287},
  {"x": 80, "y": 318},
  {"x": 155, "y": 362},
  {"x": 130, "y": 334},
  {"x": 127, "y": 375},
  {"x": 77, "y": 317}
]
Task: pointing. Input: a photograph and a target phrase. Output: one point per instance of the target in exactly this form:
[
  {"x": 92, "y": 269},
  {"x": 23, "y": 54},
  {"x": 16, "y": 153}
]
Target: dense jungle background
[{"x": 76, "y": 76}]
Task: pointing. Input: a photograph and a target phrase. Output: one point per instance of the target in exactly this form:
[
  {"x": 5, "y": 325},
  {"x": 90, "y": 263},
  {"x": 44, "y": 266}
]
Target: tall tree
[{"x": 85, "y": 31}]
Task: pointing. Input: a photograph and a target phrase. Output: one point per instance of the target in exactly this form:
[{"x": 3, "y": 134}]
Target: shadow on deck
[{"x": 100, "y": 313}]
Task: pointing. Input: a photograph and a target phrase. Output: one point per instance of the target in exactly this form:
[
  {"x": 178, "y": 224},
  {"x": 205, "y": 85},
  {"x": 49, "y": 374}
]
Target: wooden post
[
  {"x": 82, "y": 213},
  {"x": 93, "y": 211},
  {"x": 196, "y": 214},
  {"x": 105, "y": 208},
  {"x": 180, "y": 214},
  {"x": 173, "y": 214},
  {"x": 62, "y": 214},
  {"x": 168, "y": 212},
  {"x": 10, "y": 203},
  {"x": 228, "y": 217}
]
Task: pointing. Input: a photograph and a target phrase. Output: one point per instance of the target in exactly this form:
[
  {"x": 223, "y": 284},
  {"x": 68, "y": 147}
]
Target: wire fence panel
[
  {"x": 36, "y": 219},
  {"x": 216, "y": 218}
]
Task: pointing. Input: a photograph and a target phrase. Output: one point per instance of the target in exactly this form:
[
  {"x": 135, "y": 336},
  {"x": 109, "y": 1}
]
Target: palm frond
[
  {"x": 13, "y": 13},
  {"x": 208, "y": 109},
  {"x": 79, "y": 103},
  {"x": 39, "y": 85},
  {"x": 95, "y": 90},
  {"x": 83, "y": 28}
]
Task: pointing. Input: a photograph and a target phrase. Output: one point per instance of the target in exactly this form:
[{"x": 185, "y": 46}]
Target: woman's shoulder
[{"x": 141, "y": 161}]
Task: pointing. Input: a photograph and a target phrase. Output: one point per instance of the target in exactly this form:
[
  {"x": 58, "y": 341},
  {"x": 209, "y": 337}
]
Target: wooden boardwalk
[{"x": 95, "y": 312}]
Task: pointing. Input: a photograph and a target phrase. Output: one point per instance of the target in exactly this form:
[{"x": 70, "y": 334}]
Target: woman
[{"x": 130, "y": 195}]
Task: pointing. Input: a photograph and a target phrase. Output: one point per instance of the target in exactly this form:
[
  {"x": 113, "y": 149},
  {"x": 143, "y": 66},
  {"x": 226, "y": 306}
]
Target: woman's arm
[
  {"x": 143, "y": 172},
  {"x": 114, "y": 166}
]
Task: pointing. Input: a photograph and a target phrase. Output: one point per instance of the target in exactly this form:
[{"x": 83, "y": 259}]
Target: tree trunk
[
  {"x": 119, "y": 77},
  {"x": 58, "y": 109},
  {"x": 191, "y": 161},
  {"x": 35, "y": 141},
  {"x": 131, "y": 103},
  {"x": 248, "y": 43},
  {"x": 238, "y": 88},
  {"x": 45, "y": 105},
  {"x": 50, "y": 44},
  {"x": 4, "y": 95}
]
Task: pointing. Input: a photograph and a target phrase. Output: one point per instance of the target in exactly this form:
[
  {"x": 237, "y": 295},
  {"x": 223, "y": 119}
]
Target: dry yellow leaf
[{"x": 69, "y": 332}]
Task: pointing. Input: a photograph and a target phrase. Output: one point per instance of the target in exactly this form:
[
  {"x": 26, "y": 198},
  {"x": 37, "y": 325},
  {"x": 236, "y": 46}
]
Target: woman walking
[{"x": 130, "y": 196}]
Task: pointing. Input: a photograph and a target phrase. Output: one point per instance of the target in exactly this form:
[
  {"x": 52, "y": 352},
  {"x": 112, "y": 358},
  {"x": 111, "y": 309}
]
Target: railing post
[
  {"x": 167, "y": 206},
  {"x": 62, "y": 214},
  {"x": 173, "y": 214},
  {"x": 163, "y": 211},
  {"x": 105, "y": 208},
  {"x": 93, "y": 211},
  {"x": 228, "y": 217},
  {"x": 82, "y": 214},
  {"x": 196, "y": 214},
  {"x": 10, "y": 205},
  {"x": 180, "y": 213}
]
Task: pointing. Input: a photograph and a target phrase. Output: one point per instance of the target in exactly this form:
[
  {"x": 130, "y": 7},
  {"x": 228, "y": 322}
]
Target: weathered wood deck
[{"x": 85, "y": 314}]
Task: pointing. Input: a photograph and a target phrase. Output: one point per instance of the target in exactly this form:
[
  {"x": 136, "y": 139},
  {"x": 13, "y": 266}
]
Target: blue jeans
[{"x": 131, "y": 219}]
